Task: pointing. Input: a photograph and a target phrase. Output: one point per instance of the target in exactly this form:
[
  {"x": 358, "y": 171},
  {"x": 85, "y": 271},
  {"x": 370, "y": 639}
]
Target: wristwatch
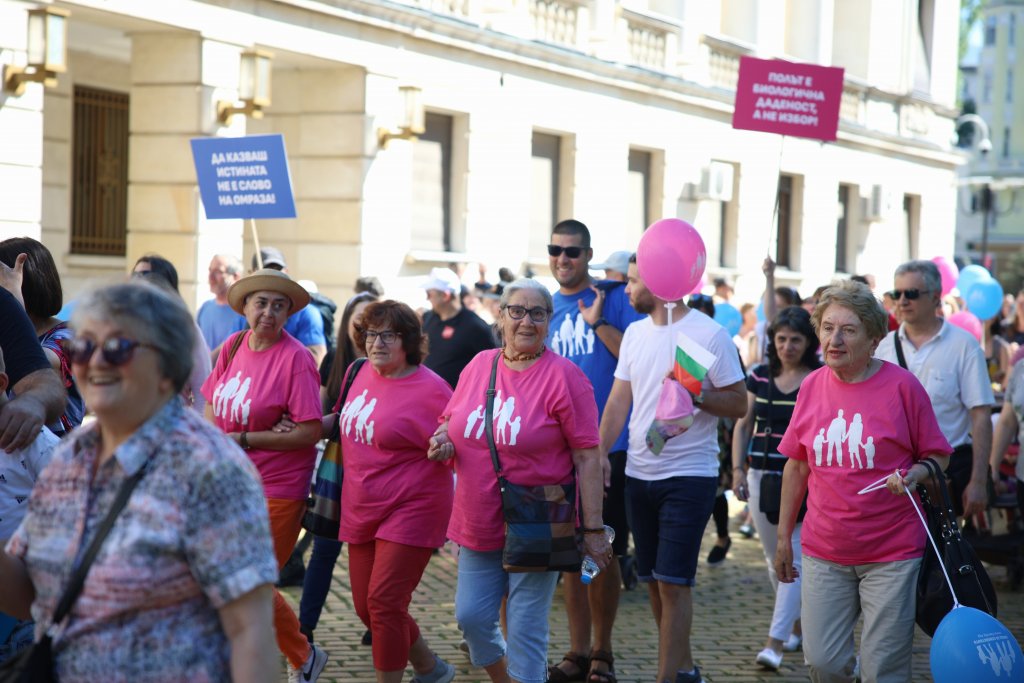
[
  {"x": 698, "y": 399},
  {"x": 598, "y": 323}
]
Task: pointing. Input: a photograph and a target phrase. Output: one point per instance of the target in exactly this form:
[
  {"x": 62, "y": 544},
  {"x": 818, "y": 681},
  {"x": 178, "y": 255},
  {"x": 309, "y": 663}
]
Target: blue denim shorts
[{"x": 668, "y": 518}]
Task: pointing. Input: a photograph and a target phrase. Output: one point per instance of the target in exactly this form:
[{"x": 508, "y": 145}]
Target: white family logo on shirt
[
  {"x": 573, "y": 339},
  {"x": 230, "y": 397},
  {"x": 357, "y": 413},
  {"x": 838, "y": 434},
  {"x": 503, "y": 411}
]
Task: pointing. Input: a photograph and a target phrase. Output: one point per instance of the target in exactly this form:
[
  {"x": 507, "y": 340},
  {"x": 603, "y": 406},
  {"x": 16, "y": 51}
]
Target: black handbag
[
  {"x": 35, "y": 664},
  {"x": 323, "y": 507},
  {"x": 540, "y": 521},
  {"x": 967, "y": 575}
]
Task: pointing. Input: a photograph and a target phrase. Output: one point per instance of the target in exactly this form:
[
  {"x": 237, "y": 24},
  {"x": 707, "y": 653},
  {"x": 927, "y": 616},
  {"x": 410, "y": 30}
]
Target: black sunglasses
[
  {"x": 116, "y": 350},
  {"x": 537, "y": 314},
  {"x": 911, "y": 294},
  {"x": 571, "y": 252}
]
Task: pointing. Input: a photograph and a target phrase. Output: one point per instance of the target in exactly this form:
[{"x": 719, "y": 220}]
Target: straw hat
[{"x": 268, "y": 280}]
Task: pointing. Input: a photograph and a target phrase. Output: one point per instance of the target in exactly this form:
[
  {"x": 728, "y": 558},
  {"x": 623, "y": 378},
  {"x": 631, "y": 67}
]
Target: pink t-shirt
[
  {"x": 391, "y": 490},
  {"x": 540, "y": 415},
  {"x": 254, "y": 391},
  {"x": 852, "y": 435}
]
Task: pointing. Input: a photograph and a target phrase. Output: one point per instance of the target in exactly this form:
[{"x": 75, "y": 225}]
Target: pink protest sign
[{"x": 774, "y": 96}]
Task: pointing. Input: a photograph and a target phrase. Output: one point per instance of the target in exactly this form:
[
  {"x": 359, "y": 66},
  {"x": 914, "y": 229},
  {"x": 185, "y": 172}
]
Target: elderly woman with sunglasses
[
  {"x": 545, "y": 426},
  {"x": 856, "y": 420},
  {"x": 395, "y": 503},
  {"x": 262, "y": 375},
  {"x": 181, "y": 586}
]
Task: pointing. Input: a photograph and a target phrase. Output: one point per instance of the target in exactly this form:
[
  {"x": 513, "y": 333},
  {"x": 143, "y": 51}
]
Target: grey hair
[
  {"x": 857, "y": 297},
  {"x": 151, "y": 316},
  {"x": 233, "y": 265},
  {"x": 927, "y": 270},
  {"x": 527, "y": 283}
]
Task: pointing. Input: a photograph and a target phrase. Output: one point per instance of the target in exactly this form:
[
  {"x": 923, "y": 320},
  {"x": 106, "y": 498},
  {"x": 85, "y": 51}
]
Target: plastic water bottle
[{"x": 589, "y": 568}]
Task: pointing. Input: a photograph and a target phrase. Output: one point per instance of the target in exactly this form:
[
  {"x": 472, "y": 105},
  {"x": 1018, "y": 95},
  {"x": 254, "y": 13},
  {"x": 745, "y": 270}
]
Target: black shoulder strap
[
  {"x": 350, "y": 376},
  {"x": 899, "y": 349},
  {"x": 489, "y": 415},
  {"x": 77, "y": 580}
]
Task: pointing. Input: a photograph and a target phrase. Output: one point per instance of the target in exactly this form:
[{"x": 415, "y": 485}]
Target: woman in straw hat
[{"x": 262, "y": 375}]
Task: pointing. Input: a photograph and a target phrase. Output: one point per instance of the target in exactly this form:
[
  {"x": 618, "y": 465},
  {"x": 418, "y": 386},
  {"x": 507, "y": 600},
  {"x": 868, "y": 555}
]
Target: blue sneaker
[{"x": 689, "y": 676}]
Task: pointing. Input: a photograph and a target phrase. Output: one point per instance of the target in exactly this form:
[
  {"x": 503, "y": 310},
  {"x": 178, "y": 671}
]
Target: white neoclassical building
[{"x": 615, "y": 112}]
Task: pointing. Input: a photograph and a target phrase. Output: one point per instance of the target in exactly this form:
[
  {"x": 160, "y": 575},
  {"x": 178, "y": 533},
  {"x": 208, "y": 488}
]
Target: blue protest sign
[{"x": 244, "y": 177}]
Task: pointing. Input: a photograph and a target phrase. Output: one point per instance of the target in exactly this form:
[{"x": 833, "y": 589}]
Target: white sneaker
[
  {"x": 793, "y": 643},
  {"x": 311, "y": 670},
  {"x": 769, "y": 659}
]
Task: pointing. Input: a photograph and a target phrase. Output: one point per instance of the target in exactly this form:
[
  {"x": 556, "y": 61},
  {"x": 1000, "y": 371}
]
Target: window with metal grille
[{"x": 99, "y": 195}]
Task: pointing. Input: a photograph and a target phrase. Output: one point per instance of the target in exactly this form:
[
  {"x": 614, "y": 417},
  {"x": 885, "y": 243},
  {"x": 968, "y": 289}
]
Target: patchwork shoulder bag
[
  {"x": 540, "y": 521},
  {"x": 323, "y": 507}
]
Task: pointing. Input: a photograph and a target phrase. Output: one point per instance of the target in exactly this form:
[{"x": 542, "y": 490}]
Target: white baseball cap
[
  {"x": 618, "y": 261},
  {"x": 444, "y": 280}
]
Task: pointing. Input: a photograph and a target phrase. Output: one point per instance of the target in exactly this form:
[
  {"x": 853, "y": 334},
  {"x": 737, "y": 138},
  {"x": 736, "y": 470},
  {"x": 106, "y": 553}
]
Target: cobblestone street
[{"x": 732, "y": 608}]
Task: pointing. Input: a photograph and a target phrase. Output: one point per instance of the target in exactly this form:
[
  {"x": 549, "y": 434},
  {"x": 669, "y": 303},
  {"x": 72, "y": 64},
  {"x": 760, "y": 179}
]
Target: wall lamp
[
  {"x": 47, "y": 51},
  {"x": 253, "y": 87},
  {"x": 414, "y": 121}
]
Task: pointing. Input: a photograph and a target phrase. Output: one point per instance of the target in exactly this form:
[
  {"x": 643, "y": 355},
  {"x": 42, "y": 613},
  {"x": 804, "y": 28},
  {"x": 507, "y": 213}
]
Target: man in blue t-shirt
[
  {"x": 586, "y": 327},
  {"x": 216, "y": 319}
]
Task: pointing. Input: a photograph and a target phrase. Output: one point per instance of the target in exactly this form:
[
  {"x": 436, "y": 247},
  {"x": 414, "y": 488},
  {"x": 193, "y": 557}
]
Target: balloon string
[
  {"x": 880, "y": 484},
  {"x": 956, "y": 603},
  {"x": 669, "y": 305}
]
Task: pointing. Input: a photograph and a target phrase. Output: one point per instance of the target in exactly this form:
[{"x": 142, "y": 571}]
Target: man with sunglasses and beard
[
  {"x": 586, "y": 327},
  {"x": 950, "y": 364}
]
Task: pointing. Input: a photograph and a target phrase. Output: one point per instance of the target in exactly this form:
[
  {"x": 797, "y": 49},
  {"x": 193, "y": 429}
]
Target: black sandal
[
  {"x": 602, "y": 676},
  {"x": 582, "y": 664}
]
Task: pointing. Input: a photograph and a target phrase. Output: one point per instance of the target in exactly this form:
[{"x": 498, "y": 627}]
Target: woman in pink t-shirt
[
  {"x": 545, "y": 424},
  {"x": 856, "y": 420},
  {"x": 262, "y": 375},
  {"x": 395, "y": 503}
]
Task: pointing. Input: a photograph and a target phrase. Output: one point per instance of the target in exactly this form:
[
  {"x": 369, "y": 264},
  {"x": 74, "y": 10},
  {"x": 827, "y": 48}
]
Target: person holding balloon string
[
  {"x": 855, "y": 419},
  {"x": 670, "y": 496}
]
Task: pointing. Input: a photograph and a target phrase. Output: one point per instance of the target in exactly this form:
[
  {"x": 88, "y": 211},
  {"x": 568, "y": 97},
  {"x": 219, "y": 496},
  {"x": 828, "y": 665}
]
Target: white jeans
[
  {"x": 787, "y": 595},
  {"x": 835, "y": 596}
]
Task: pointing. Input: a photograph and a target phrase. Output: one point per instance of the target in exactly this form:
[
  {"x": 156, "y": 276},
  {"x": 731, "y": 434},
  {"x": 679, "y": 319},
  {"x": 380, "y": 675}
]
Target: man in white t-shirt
[
  {"x": 950, "y": 363},
  {"x": 670, "y": 496}
]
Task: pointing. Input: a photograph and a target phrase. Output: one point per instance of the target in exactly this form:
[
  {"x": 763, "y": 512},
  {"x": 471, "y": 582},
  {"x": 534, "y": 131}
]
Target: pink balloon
[
  {"x": 701, "y": 284},
  {"x": 966, "y": 320},
  {"x": 670, "y": 258},
  {"x": 949, "y": 272}
]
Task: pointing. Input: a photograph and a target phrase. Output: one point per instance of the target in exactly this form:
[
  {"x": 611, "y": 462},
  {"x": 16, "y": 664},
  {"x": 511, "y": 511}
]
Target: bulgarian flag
[{"x": 692, "y": 362}]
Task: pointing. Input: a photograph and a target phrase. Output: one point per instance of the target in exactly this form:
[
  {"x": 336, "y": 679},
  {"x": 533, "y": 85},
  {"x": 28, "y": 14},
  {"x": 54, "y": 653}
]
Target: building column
[
  {"x": 328, "y": 138},
  {"x": 176, "y": 79}
]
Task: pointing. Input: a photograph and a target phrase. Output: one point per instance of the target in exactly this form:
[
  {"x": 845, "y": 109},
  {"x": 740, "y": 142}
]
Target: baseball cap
[
  {"x": 443, "y": 279},
  {"x": 271, "y": 256},
  {"x": 618, "y": 261}
]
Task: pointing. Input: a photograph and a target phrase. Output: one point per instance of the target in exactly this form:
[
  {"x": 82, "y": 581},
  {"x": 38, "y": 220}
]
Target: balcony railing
[
  {"x": 557, "y": 21},
  {"x": 651, "y": 41}
]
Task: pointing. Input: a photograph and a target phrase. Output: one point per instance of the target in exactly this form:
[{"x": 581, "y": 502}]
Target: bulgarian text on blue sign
[{"x": 244, "y": 177}]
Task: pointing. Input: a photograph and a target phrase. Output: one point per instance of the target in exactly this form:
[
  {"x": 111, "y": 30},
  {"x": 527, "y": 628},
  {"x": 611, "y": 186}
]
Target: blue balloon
[
  {"x": 729, "y": 317},
  {"x": 970, "y": 645},
  {"x": 985, "y": 298},
  {"x": 968, "y": 276}
]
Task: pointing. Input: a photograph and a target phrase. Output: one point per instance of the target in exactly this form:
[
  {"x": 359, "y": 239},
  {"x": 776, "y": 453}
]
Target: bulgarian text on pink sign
[{"x": 774, "y": 96}]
